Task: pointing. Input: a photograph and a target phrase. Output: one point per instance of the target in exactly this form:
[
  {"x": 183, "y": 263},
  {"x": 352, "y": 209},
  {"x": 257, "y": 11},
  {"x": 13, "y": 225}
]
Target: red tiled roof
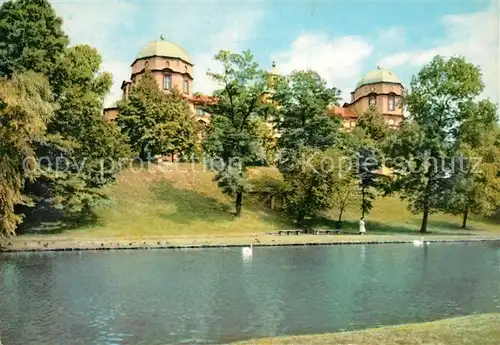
[
  {"x": 342, "y": 112},
  {"x": 204, "y": 99}
]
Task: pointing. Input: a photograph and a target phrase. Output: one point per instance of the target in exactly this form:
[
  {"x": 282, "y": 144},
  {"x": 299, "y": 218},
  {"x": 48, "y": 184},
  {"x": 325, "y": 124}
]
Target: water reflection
[{"x": 212, "y": 296}]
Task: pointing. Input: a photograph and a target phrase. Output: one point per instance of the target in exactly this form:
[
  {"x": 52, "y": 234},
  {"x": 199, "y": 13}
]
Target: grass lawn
[
  {"x": 470, "y": 330},
  {"x": 184, "y": 201}
]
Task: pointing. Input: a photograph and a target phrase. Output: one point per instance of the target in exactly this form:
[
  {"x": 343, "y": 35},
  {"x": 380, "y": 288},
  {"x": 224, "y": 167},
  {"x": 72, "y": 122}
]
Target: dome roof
[
  {"x": 378, "y": 76},
  {"x": 163, "y": 48}
]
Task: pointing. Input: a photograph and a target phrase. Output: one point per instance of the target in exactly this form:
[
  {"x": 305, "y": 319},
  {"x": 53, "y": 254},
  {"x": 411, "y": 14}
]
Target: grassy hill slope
[{"x": 183, "y": 200}]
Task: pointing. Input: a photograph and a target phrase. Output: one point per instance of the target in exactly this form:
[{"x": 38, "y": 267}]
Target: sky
[{"x": 342, "y": 40}]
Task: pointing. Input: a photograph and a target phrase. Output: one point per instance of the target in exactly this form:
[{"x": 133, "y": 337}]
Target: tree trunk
[
  {"x": 363, "y": 202},
  {"x": 172, "y": 156},
  {"x": 340, "y": 214},
  {"x": 429, "y": 175},
  {"x": 239, "y": 203},
  {"x": 466, "y": 214},
  {"x": 423, "y": 228},
  {"x": 300, "y": 218},
  {"x": 339, "y": 222}
]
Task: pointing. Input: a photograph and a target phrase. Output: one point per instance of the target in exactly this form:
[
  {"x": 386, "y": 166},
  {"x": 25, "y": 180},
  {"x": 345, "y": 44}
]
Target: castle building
[
  {"x": 172, "y": 68},
  {"x": 380, "y": 88}
]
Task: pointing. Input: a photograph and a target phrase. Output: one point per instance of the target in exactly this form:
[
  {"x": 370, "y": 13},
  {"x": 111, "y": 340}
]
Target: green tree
[
  {"x": 232, "y": 140},
  {"x": 25, "y": 109},
  {"x": 345, "y": 183},
  {"x": 368, "y": 163},
  {"x": 156, "y": 123},
  {"x": 423, "y": 151},
  {"x": 31, "y": 37},
  {"x": 81, "y": 152},
  {"x": 305, "y": 127},
  {"x": 367, "y": 143},
  {"x": 475, "y": 180},
  {"x": 310, "y": 184},
  {"x": 77, "y": 151}
]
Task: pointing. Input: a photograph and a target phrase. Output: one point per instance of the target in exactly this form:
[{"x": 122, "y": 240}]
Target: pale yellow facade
[{"x": 380, "y": 88}]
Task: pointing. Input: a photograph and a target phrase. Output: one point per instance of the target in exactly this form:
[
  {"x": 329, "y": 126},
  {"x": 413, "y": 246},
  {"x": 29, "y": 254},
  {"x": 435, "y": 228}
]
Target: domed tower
[
  {"x": 170, "y": 65},
  {"x": 272, "y": 76},
  {"x": 274, "y": 73},
  {"x": 380, "y": 88}
]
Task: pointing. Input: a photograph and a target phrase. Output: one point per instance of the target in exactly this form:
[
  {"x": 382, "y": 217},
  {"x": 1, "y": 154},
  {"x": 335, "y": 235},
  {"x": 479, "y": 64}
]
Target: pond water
[{"x": 216, "y": 296}]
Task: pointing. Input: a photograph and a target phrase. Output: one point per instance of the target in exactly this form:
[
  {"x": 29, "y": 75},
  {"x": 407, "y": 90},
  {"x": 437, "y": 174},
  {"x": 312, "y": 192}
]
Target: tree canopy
[
  {"x": 302, "y": 115},
  {"x": 31, "y": 37},
  {"x": 233, "y": 139}
]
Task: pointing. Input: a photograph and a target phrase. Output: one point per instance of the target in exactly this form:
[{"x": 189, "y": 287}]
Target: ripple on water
[{"x": 212, "y": 296}]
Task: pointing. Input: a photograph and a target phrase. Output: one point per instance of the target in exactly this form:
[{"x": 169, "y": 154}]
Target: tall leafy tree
[
  {"x": 475, "y": 181},
  {"x": 345, "y": 182},
  {"x": 310, "y": 183},
  {"x": 304, "y": 128},
  {"x": 83, "y": 151},
  {"x": 368, "y": 163},
  {"x": 366, "y": 144},
  {"x": 25, "y": 109},
  {"x": 423, "y": 151},
  {"x": 156, "y": 123},
  {"x": 232, "y": 139},
  {"x": 77, "y": 151},
  {"x": 31, "y": 37}
]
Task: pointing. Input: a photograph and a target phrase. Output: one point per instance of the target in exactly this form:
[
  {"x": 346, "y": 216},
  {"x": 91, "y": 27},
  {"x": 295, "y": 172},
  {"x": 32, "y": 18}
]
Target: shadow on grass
[
  {"x": 349, "y": 226},
  {"x": 191, "y": 206},
  {"x": 453, "y": 226},
  {"x": 434, "y": 227},
  {"x": 46, "y": 220}
]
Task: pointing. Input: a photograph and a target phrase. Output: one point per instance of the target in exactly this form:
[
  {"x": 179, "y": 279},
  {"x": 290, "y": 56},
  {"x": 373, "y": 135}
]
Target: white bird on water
[
  {"x": 419, "y": 243},
  {"x": 247, "y": 251}
]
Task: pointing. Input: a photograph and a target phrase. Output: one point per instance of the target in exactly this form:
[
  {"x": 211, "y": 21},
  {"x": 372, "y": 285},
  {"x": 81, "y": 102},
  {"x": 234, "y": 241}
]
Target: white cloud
[
  {"x": 234, "y": 32},
  {"x": 100, "y": 24},
  {"x": 338, "y": 60},
  {"x": 392, "y": 36},
  {"x": 474, "y": 36}
]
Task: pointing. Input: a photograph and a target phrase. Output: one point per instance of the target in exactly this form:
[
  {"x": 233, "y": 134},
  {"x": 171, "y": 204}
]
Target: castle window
[
  {"x": 391, "y": 102},
  {"x": 167, "y": 82},
  {"x": 186, "y": 86},
  {"x": 372, "y": 100},
  {"x": 200, "y": 112}
]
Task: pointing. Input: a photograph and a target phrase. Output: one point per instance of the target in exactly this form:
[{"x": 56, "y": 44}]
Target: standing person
[{"x": 362, "y": 228}]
